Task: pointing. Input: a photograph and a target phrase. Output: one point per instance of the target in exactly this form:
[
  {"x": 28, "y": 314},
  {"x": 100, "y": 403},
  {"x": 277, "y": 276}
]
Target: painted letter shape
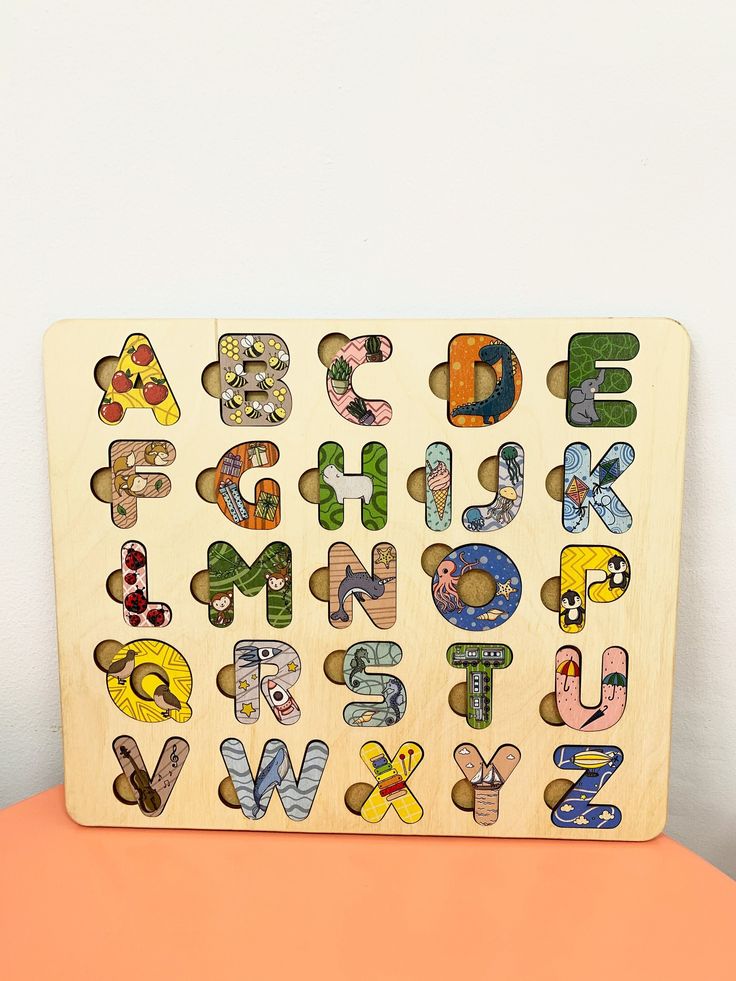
[
  {"x": 138, "y": 383},
  {"x": 342, "y": 395},
  {"x": 392, "y": 777},
  {"x": 252, "y": 389},
  {"x": 586, "y": 381},
  {"x": 614, "y": 683},
  {"x": 129, "y": 484},
  {"x": 392, "y": 693},
  {"x": 575, "y": 809},
  {"x": 152, "y": 792},
  {"x": 576, "y": 561},
  {"x": 505, "y": 506},
  {"x": 252, "y": 658},
  {"x": 491, "y": 560},
  {"x": 438, "y": 481},
  {"x": 265, "y": 512},
  {"x": 479, "y": 662},
  {"x": 463, "y": 408},
  {"x": 370, "y": 486},
  {"x": 275, "y": 772},
  {"x": 162, "y": 692},
  {"x": 587, "y": 487},
  {"x": 374, "y": 591},
  {"x": 138, "y": 610},
  {"x": 228, "y": 569},
  {"x": 486, "y": 779}
]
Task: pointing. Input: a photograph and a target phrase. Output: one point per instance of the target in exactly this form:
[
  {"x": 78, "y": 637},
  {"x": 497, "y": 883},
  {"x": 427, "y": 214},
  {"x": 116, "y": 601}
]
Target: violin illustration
[{"x": 148, "y": 798}]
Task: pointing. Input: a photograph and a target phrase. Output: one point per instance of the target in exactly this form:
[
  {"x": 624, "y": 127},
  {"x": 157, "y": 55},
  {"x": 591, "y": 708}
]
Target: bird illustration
[
  {"x": 123, "y": 667},
  {"x": 166, "y": 700}
]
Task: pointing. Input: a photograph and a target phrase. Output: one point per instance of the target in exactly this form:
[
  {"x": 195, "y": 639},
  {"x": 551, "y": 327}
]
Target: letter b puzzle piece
[{"x": 252, "y": 369}]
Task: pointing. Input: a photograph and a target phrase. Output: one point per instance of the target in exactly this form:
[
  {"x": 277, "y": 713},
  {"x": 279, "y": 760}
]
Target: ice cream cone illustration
[{"x": 438, "y": 484}]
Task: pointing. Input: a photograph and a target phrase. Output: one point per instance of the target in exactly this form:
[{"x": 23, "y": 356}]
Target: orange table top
[{"x": 109, "y": 903}]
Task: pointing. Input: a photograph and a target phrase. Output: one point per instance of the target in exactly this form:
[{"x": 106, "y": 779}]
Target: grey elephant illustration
[{"x": 582, "y": 407}]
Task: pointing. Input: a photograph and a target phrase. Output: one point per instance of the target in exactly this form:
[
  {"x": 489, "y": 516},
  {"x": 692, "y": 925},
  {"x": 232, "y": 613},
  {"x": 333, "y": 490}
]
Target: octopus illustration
[{"x": 444, "y": 586}]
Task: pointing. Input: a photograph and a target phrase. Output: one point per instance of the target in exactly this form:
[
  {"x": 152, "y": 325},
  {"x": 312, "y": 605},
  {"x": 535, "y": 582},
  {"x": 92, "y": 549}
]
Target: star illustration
[
  {"x": 291, "y": 665},
  {"x": 505, "y": 588},
  {"x": 247, "y": 709},
  {"x": 244, "y": 685},
  {"x": 386, "y": 555}
]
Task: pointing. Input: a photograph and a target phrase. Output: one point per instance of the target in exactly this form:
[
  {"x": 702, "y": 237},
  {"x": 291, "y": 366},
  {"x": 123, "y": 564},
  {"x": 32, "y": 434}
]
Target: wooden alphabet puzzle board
[{"x": 399, "y": 577}]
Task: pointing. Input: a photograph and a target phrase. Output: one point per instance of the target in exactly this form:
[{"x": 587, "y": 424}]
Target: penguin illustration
[
  {"x": 618, "y": 573},
  {"x": 572, "y": 612}
]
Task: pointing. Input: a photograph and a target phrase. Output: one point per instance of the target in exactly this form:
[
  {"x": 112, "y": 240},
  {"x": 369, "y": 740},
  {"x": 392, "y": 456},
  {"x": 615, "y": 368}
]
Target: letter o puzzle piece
[{"x": 488, "y": 559}]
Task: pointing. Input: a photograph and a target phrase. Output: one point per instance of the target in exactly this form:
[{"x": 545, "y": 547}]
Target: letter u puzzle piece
[{"x": 412, "y": 518}]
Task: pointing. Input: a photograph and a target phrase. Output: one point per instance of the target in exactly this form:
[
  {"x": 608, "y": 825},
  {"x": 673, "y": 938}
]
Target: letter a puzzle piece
[{"x": 138, "y": 383}]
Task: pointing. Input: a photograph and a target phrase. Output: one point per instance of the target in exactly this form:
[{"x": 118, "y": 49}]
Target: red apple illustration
[
  {"x": 142, "y": 355},
  {"x": 154, "y": 392},
  {"x": 111, "y": 411},
  {"x": 121, "y": 381}
]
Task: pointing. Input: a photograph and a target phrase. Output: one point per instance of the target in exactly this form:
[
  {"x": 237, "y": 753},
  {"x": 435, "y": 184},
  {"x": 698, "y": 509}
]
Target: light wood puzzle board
[{"x": 111, "y": 757}]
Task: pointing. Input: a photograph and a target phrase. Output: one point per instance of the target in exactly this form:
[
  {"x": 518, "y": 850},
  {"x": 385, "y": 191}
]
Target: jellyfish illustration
[
  {"x": 510, "y": 456},
  {"x": 474, "y": 520}
]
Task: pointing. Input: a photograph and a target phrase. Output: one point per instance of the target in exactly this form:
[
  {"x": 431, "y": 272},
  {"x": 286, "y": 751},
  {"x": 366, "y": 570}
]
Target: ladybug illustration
[
  {"x": 155, "y": 618},
  {"x": 134, "y": 620},
  {"x": 135, "y": 559},
  {"x": 130, "y": 578},
  {"x": 136, "y": 601}
]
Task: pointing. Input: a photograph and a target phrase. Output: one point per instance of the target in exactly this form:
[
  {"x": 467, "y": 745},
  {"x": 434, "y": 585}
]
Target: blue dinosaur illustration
[
  {"x": 501, "y": 398},
  {"x": 362, "y": 586},
  {"x": 269, "y": 777}
]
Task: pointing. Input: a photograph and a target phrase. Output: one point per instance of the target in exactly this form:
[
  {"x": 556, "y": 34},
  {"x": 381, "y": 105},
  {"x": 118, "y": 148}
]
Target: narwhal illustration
[{"x": 362, "y": 586}]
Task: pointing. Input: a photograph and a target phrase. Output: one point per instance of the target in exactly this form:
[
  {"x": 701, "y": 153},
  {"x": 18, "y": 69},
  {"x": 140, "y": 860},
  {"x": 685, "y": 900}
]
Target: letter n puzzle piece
[
  {"x": 576, "y": 561},
  {"x": 129, "y": 484},
  {"x": 575, "y": 809},
  {"x": 138, "y": 383},
  {"x": 150, "y": 793},
  {"x": 586, "y": 380},
  {"x": 486, "y": 779},
  {"x": 349, "y": 580},
  {"x": 392, "y": 777},
  {"x": 275, "y": 772}
]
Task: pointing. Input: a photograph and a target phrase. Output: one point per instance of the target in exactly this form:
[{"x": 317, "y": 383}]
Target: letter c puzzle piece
[
  {"x": 463, "y": 407},
  {"x": 138, "y": 383},
  {"x": 391, "y": 778},
  {"x": 576, "y": 562},
  {"x": 342, "y": 395},
  {"x": 575, "y": 809},
  {"x": 486, "y": 779}
]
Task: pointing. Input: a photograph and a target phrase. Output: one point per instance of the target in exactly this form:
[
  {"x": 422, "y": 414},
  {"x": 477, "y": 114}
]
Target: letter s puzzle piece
[{"x": 391, "y": 692}]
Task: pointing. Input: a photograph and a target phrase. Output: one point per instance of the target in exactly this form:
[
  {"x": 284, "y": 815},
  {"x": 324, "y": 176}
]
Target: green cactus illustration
[{"x": 373, "y": 348}]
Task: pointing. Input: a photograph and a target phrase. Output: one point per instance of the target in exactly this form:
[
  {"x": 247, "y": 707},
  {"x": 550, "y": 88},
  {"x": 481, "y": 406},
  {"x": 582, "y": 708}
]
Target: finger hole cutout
[
  {"x": 554, "y": 482},
  {"x": 333, "y": 667},
  {"x": 555, "y": 791},
  {"x": 105, "y": 653},
  {"x": 476, "y": 588},
  {"x": 101, "y": 485},
  {"x": 550, "y": 594},
  {"x": 416, "y": 484},
  {"x": 356, "y": 795},
  {"x": 309, "y": 485},
  {"x": 207, "y": 485},
  {"x": 104, "y": 370},
  {"x": 439, "y": 381},
  {"x": 226, "y": 680},
  {"x": 200, "y": 586},
  {"x": 432, "y": 556},
  {"x": 484, "y": 380},
  {"x": 142, "y": 671},
  {"x": 458, "y": 698},
  {"x": 329, "y": 346},
  {"x": 123, "y": 791},
  {"x": 114, "y": 586},
  {"x": 488, "y": 473},
  {"x": 463, "y": 796},
  {"x": 319, "y": 584},
  {"x": 211, "y": 379},
  {"x": 226, "y": 793},
  {"x": 549, "y": 712},
  {"x": 557, "y": 380}
]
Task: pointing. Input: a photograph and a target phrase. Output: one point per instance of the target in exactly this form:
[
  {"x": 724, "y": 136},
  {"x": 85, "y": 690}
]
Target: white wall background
[{"x": 390, "y": 158}]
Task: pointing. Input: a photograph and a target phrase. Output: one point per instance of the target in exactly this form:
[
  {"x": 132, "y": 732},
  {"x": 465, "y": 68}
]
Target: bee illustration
[
  {"x": 264, "y": 381},
  {"x": 279, "y": 361},
  {"x": 233, "y": 400},
  {"x": 252, "y": 409},
  {"x": 253, "y": 346},
  {"x": 236, "y": 377},
  {"x": 273, "y": 413}
]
